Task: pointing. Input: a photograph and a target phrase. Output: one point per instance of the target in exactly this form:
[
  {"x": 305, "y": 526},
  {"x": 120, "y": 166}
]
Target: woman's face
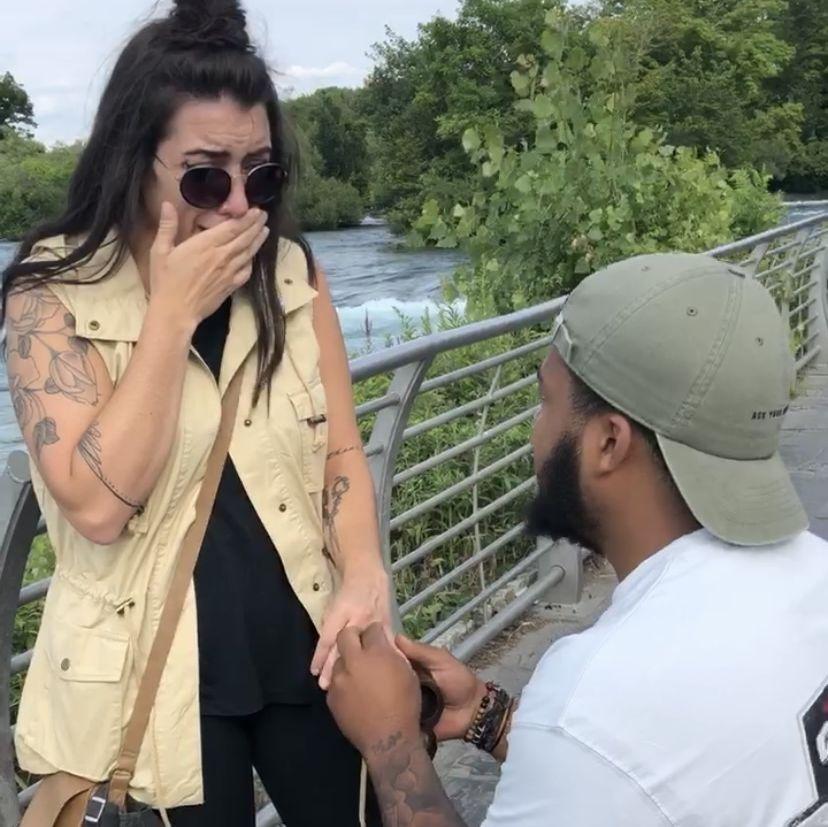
[{"x": 217, "y": 132}]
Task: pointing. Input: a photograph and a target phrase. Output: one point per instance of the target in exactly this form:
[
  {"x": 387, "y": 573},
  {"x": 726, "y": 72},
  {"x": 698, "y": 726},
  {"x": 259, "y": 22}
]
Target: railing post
[
  {"x": 19, "y": 514},
  {"x": 819, "y": 292},
  {"x": 567, "y": 556},
  {"x": 386, "y": 439}
]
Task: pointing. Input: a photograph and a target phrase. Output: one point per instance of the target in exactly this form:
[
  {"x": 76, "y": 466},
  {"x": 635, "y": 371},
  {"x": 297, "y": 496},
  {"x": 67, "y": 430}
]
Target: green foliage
[
  {"x": 809, "y": 171},
  {"x": 805, "y": 80},
  {"x": 332, "y": 147},
  {"x": 336, "y": 130},
  {"x": 328, "y": 204},
  {"x": 33, "y": 182},
  {"x": 743, "y": 78},
  {"x": 705, "y": 70},
  {"x": 590, "y": 187},
  {"x": 15, "y": 106},
  {"x": 424, "y": 93}
]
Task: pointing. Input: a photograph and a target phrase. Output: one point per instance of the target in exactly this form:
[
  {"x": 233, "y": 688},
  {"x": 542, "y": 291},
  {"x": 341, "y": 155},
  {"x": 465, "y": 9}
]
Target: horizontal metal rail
[
  {"x": 20, "y": 663},
  {"x": 458, "y": 488},
  {"x": 479, "y": 599},
  {"x": 768, "y": 235},
  {"x": 464, "y": 447},
  {"x": 472, "y": 644},
  {"x": 427, "y": 347},
  {"x": 33, "y": 592},
  {"x": 464, "y": 525},
  {"x": 390, "y": 400},
  {"x": 486, "y": 364},
  {"x": 469, "y": 408},
  {"x": 458, "y": 571},
  {"x": 785, "y": 265}
]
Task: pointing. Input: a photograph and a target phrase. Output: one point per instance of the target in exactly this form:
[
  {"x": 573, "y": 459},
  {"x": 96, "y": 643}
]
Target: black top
[{"x": 255, "y": 638}]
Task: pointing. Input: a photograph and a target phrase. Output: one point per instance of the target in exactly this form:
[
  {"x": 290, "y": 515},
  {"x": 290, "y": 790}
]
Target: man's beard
[{"x": 559, "y": 511}]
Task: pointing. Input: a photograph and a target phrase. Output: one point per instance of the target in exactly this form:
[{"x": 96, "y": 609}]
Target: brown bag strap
[{"x": 179, "y": 585}]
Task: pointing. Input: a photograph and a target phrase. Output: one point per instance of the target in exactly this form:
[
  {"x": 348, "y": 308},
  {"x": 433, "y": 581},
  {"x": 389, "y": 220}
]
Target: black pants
[{"x": 308, "y": 768}]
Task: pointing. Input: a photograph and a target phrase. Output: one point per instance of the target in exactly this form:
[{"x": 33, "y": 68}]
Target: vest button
[
  {"x": 288, "y": 281},
  {"x": 316, "y": 587},
  {"x": 93, "y": 325},
  {"x": 283, "y": 508},
  {"x": 65, "y": 664},
  {"x": 248, "y": 423}
]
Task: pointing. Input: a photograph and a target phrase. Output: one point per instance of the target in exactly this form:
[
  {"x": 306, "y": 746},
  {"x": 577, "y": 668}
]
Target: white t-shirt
[{"x": 699, "y": 699}]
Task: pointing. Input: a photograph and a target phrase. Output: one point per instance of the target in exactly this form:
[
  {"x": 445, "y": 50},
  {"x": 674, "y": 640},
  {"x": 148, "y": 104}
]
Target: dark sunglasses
[{"x": 207, "y": 187}]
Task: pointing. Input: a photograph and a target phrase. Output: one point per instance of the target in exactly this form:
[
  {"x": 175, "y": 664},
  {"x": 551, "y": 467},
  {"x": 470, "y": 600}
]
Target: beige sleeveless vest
[{"x": 105, "y": 602}]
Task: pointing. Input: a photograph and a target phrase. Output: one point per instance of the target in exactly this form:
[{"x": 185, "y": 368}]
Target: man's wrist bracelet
[{"x": 489, "y": 723}]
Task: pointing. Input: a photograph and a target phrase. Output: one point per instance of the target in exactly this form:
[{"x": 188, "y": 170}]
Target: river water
[{"x": 372, "y": 281}]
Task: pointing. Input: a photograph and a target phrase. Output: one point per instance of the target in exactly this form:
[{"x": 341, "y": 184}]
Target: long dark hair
[{"x": 200, "y": 51}]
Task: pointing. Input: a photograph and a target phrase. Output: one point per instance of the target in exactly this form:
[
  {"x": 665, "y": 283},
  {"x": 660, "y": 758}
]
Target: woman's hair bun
[{"x": 220, "y": 24}]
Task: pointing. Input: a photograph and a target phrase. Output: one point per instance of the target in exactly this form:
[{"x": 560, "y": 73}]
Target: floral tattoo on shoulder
[{"x": 45, "y": 358}]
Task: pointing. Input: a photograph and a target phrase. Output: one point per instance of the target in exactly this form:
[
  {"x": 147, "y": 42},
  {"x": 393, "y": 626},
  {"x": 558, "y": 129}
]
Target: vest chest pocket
[{"x": 311, "y": 409}]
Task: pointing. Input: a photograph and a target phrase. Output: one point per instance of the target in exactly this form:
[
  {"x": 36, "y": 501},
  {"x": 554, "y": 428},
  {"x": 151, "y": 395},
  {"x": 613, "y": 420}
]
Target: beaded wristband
[{"x": 488, "y": 725}]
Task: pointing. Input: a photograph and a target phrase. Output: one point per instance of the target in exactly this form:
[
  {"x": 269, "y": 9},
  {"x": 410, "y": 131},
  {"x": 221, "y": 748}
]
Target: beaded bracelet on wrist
[{"x": 489, "y": 723}]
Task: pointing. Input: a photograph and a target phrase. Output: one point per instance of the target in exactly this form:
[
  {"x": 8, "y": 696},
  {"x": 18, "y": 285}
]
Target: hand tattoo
[
  {"x": 331, "y": 503},
  {"x": 407, "y": 787}
]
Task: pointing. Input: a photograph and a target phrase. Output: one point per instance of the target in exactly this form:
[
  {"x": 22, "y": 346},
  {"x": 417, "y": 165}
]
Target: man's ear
[{"x": 606, "y": 443}]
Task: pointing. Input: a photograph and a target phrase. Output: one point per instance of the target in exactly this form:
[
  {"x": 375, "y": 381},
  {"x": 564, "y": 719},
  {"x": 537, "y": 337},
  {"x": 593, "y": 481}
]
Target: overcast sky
[{"x": 62, "y": 50}]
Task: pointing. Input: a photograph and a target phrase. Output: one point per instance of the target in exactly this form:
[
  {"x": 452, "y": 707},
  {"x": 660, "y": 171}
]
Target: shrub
[
  {"x": 588, "y": 187},
  {"x": 33, "y": 182},
  {"x": 327, "y": 204}
]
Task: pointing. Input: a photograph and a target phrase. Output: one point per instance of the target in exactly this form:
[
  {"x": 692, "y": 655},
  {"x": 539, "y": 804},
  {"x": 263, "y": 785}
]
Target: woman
[{"x": 176, "y": 263}]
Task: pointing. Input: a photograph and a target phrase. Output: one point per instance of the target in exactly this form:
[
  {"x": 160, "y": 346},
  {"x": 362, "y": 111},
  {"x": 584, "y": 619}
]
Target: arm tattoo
[
  {"x": 89, "y": 448},
  {"x": 331, "y": 503},
  {"x": 41, "y": 334},
  {"x": 342, "y": 451},
  {"x": 407, "y": 787}
]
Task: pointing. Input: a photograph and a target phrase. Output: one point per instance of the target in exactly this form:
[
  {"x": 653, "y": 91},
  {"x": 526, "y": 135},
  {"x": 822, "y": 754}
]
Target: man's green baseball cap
[{"x": 695, "y": 350}]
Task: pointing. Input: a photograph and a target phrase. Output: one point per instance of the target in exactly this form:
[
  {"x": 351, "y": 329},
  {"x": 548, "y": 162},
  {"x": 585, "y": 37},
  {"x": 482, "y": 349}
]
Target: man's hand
[
  {"x": 374, "y": 693},
  {"x": 363, "y": 598},
  {"x": 375, "y": 698},
  {"x": 462, "y": 690}
]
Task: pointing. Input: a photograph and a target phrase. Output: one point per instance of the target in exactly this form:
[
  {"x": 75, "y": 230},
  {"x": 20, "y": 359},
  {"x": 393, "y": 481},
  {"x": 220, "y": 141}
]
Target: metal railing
[{"x": 446, "y": 421}]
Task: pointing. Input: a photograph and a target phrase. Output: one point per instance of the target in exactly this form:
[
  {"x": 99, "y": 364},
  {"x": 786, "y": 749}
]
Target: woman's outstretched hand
[{"x": 363, "y": 598}]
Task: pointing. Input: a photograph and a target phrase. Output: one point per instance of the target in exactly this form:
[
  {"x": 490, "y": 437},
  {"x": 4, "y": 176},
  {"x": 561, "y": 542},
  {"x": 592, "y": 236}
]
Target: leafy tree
[
  {"x": 335, "y": 128},
  {"x": 706, "y": 73},
  {"x": 424, "y": 93},
  {"x": 328, "y": 204},
  {"x": 15, "y": 106},
  {"x": 33, "y": 182},
  {"x": 590, "y": 187},
  {"x": 322, "y": 201},
  {"x": 805, "y": 80}
]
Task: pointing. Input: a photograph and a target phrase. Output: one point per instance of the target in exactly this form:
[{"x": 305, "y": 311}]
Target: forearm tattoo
[
  {"x": 41, "y": 337},
  {"x": 342, "y": 451},
  {"x": 89, "y": 448},
  {"x": 408, "y": 790},
  {"x": 331, "y": 504}
]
